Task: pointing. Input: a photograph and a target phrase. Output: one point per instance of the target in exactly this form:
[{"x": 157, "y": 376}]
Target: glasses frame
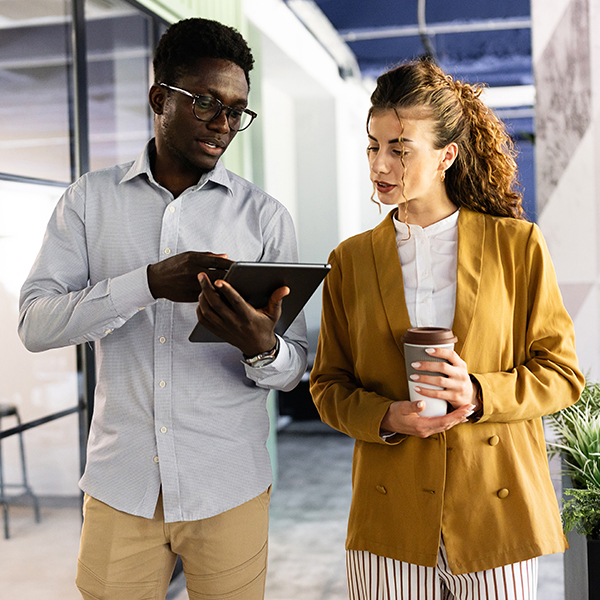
[{"x": 221, "y": 107}]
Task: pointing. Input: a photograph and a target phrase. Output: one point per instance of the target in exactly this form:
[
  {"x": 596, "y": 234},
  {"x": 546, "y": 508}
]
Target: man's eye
[
  {"x": 205, "y": 102},
  {"x": 236, "y": 113}
]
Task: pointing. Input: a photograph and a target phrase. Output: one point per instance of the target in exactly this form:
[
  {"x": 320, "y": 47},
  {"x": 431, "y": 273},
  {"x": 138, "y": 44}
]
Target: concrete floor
[{"x": 308, "y": 525}]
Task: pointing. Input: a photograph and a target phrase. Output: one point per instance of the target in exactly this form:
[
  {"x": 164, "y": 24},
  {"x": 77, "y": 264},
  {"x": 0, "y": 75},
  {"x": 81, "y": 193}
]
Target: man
[{"x": 177, "y": 460}]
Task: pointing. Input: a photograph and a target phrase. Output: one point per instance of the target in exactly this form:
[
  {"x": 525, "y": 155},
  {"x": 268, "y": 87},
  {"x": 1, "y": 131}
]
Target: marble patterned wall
[{"x": 567, "y": 77}]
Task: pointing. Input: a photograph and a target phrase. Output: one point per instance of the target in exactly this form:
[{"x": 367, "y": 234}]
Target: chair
[{"x": 10, "y": 410}]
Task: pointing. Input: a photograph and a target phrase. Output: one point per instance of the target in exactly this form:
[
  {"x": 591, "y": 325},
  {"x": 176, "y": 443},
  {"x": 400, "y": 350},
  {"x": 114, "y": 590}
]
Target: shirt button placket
[{"x": 163, "y": 349}]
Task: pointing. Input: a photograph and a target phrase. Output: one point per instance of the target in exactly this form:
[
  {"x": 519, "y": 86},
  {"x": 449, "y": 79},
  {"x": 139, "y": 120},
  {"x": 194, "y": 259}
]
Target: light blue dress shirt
[{"x": 188, "y": 418}]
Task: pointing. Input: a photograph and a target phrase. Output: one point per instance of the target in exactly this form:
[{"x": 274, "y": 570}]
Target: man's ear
[{"x": 156, "y": 97}]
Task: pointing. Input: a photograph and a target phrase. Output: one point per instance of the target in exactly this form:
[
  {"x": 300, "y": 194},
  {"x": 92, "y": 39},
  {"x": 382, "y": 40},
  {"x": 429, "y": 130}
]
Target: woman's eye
[{"x": 372, "y": 149}]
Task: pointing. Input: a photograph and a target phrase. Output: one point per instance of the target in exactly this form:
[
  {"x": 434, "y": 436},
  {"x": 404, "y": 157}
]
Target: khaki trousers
[{"x": 124, "y": 557}]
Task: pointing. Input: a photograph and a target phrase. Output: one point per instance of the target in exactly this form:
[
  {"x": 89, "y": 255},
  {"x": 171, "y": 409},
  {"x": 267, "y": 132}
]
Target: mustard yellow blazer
[{"x": 484, "y": 486}]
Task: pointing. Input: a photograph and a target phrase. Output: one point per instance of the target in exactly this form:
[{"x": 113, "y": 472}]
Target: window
[
  {"x": 34, "y": 78},
  {"x": 119, "y": 61}
]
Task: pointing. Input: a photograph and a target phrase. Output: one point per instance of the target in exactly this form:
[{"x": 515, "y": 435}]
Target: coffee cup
[{"x": 416, "y": 341}]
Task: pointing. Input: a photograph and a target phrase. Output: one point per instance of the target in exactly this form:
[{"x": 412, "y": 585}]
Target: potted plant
[{"x": 578, "y": 442}]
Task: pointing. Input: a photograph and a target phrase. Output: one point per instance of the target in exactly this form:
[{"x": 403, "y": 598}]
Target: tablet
[{"x": 256, "y": 281}]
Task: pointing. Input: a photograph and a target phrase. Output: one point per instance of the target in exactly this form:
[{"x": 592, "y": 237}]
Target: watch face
[{"x": 263, "y": 362}]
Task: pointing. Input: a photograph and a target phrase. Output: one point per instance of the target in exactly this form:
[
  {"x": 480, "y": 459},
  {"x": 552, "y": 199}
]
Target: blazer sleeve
[
  {"x": 548, "y": 378},
  {"x": 340, "y": 399}
]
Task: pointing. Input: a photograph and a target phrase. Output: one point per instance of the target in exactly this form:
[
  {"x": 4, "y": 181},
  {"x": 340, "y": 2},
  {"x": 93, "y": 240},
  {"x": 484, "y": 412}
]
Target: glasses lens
[
  {"x": 239, "y": 119},
  {"x": 206, "y": 108}
]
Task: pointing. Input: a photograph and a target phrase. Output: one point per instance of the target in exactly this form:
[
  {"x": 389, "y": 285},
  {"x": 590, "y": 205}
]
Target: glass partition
[
  {"x": 34, "y": 78},
  {"x": 119, "y": 55},
  {"x": 37, "y": 384}
]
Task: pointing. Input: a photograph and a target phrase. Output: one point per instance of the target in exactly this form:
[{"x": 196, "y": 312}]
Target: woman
[{"x": 456, "y": 506}]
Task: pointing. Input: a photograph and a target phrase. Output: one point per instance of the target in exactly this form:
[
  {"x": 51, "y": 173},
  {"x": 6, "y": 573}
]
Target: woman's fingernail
[
  {"x": 415, "y": 365},
  {"x": 430, "y": 350},
  {"x": 417, "y": 388},
  {"x": 414, "y": 377}
]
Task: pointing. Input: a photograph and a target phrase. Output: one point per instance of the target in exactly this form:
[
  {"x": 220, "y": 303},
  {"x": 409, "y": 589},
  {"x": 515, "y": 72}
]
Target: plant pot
[
  {"x": 593, "y": 568},
  {"x": 582, "y": 568}
]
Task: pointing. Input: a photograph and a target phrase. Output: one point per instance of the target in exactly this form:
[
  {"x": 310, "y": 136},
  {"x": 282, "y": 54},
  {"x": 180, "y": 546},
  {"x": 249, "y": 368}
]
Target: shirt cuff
[{"x": 130, "y": 292}]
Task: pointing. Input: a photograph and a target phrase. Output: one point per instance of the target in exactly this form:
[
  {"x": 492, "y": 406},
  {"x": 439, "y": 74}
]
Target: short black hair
[{"x": 189, "y": 40}]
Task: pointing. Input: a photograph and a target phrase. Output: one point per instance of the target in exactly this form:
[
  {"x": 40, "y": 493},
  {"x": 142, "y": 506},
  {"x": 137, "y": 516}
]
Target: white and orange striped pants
[{"x": 372, "y": 577}]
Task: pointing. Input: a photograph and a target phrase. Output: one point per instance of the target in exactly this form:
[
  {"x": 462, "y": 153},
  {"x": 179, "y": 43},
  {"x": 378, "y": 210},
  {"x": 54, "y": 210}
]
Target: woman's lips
[{"x": 384, "y": 188}]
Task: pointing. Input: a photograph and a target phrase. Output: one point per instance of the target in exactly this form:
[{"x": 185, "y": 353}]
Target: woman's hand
[
  {"x": 403, "y": 417},
  {"x": 458, "y": 388}
]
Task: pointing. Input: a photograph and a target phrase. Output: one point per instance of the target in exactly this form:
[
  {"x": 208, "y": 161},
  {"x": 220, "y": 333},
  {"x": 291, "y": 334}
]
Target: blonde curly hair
[{"x": 484, "y": 176}]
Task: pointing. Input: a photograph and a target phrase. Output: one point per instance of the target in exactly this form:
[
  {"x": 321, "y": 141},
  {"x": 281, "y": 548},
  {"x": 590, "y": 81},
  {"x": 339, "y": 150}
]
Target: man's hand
[
  {"x": 224, "y": 312},
  {"x": 403, "y": 417},
  {"x": 176, "y": 278}
]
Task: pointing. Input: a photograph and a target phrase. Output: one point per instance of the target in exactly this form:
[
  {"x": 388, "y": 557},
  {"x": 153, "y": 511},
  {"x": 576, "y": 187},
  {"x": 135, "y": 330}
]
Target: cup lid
[{"x": 429, "y": 336}]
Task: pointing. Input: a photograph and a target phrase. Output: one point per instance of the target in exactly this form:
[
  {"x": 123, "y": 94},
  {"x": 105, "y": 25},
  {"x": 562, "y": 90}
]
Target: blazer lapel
[
  {"x": 389, "y": 277},
  {"x": 471, "y": 234}
]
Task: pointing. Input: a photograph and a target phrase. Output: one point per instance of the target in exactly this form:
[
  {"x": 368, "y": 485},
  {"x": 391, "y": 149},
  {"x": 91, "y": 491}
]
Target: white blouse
[{"x": 429, "y": 262}]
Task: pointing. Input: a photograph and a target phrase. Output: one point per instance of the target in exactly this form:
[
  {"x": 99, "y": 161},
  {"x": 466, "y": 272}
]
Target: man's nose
[{"x": 221, "y": 123}]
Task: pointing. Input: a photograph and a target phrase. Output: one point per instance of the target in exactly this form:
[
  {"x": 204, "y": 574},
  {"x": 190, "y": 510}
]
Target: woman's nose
[{"x": 379, "y": 164}]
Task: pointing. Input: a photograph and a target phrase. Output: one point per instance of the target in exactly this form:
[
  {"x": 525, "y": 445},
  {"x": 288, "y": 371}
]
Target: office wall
[{"x": 566, "y": 56}]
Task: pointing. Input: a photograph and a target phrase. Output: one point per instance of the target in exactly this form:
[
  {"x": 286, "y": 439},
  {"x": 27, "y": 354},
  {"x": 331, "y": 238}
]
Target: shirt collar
[
  {"x": 141, "y": 166},
  {"x": 449, "y": 222}
]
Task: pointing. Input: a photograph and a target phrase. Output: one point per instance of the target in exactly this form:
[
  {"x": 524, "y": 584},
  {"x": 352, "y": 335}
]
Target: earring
[{"x": 443, "y": 175}]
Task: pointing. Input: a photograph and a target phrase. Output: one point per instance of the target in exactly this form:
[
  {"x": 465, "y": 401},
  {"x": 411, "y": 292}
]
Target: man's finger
[{"x": 273, "y": 307}]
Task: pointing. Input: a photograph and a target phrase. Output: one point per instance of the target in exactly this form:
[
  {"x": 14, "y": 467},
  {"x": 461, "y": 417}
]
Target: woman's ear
[
  {"x": 156, "y": 97},
  {"x": 449, "y": 155}
]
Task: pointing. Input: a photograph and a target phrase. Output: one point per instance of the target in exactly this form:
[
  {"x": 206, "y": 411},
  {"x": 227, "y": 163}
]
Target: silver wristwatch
[{"x": 264, "y": 358}]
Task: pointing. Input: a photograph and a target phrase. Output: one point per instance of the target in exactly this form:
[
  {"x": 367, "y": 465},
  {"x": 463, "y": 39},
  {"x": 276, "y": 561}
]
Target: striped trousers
[{"x": 372, "y": 577}]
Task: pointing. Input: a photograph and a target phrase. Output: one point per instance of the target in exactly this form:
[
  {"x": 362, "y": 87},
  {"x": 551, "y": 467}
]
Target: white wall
[
  {"x": 314, "y": 139},
  {"x": 566, "y": 56}
]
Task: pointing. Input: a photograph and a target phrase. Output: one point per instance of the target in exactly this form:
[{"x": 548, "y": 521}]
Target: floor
[{"x": 308, "y": 521}]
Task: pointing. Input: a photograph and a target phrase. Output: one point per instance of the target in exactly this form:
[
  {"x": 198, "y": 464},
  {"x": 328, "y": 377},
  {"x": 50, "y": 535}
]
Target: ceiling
[
  {"x": 478, "y": 41},
  {"x": 485, "y": 41}
]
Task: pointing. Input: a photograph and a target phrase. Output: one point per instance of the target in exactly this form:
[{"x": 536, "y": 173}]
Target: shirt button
[
  {"x": 156, "y": 459},
  {"x": 171, "y": 209},
  {"x": 162, "y": 384},
  {"x": 381, "y": 489},
  {"x": 162, "y": 339},
  {"x": 503, "y": 493},
  {"x": 108, "y": 331},
  {"x": 493, "y": 441},
  {"x": 167, "y": 250},
  {"x": 163, "y": 430}
]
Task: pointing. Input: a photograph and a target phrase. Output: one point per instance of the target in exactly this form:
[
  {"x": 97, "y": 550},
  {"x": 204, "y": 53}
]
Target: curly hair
[
  {"x": 189, "y": 40},
  {"x": 484, "y": 176}
]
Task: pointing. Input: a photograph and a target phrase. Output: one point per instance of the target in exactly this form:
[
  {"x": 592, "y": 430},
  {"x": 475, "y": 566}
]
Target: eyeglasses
[{"x": 207, "y": 109}]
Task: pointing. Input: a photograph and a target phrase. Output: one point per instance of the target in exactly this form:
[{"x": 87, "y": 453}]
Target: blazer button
[
  {"x": 503, "y": 493},
  {"x": 493, "y": 441},
  {"x": 381, "y": 489}
]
